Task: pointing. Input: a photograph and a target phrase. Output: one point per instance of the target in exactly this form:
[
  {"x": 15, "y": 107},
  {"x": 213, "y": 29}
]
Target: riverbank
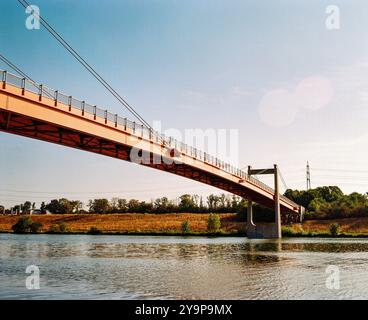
[
  {"x": 171, "y": 224},
  {"x": 130, "y": 224},
  {"x": 348, "y": 227}
]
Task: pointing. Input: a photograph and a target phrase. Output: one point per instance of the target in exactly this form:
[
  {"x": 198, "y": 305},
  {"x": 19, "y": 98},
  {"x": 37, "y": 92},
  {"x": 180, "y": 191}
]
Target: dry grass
[
  {"x": 348, "y": 225},
  {"x": 81, "y": 223},
  {"x": 127, "y": 222}
]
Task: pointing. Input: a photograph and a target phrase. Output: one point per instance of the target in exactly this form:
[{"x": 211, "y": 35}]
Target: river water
[{"x": 147, "y": 267}]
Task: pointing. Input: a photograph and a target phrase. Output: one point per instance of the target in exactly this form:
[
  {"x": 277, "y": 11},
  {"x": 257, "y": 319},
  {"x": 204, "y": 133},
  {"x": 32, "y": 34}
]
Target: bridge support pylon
[
  {"x": 251, "y": 227},
  {"x": 271, "y": 230}
]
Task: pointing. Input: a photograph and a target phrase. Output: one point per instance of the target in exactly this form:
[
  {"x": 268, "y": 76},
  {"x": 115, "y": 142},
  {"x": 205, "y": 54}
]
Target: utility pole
[{"x": 308, "y": 177}]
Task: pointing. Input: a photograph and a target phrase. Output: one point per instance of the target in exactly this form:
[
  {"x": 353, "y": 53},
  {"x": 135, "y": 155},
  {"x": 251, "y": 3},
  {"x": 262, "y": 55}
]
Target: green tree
[
  {"x": 26, "y": 207},
  {"x": 222, "y": 201},
  {"x": 54, "y": 206},
  {"x": 187, "y": 203},
  {"x": 66, "y": 206},
  {"x": 62, "y": 206},
  {"x": 235, "y": 202},
  {"x": 212, "y": 202},
  {"x": 185, "y": 227},
  {"x": 43, "y": 207},
  {"x": 35, "y": 227},
  {"x": 329, "y": 202},
  {"x": 114, "y": 205},
  {"x": 26, "y": 225},
  {"x": 242, "y": 210},
  {"x": 329, "y": 193},
  {"x": 334, "y": 229},
  {"x": 145, "y": 207},
  {"x": 316, "y": 204},
  {"x": 17, "y": 208},
  {"x": 214, "y": 222},
  {"x": 202, "y": 208},
  {"x": 162, "y": 205},
  {"x": 122, "y": 205},
  {"x": 133, "y": 205},
  {"x": 99, "y": 206},
  {"x": 63, "y": 227}
]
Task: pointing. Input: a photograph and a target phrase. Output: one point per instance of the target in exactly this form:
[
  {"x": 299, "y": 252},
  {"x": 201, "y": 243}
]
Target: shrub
[
  {"x": 35, "y": 227},
  {"x": 214, "y": 222},
  {"x": 287, "y": 231},
  {"x": 58, "y": 228},
  {"x": 94, "y": 230},
  {"x": 334, "y": 229},
  {"x": 185, "y": 227},
  {"x": 62, "y": 227},
  {"x": 22, "y": 225},
  {"x": 53, "y": 228},
  {"x": 26, "y": 225}
]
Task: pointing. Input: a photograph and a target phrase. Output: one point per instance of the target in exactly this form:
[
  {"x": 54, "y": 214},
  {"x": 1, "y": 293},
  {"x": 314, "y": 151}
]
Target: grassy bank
[
  {"x": 349, "y": 227},
  {"x": 171, "y": 224},
  {"x": 131, "y": 224}
]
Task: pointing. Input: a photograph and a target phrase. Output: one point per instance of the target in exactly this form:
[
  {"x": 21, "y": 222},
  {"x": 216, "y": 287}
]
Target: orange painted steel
[{"x": 44, "y": 115}]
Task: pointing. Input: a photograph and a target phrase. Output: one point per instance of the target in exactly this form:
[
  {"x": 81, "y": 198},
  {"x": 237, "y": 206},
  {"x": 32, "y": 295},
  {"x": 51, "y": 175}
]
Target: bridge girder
[{"x": 16, "y": 122}]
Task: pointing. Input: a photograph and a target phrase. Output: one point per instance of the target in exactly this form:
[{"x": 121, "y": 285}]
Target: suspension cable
[
  {"x": 23, "y": 74},
  {"x": 90, "y": 69},
  {"x": 283, "y": 180},
  {"x": 15, "y": 68}
]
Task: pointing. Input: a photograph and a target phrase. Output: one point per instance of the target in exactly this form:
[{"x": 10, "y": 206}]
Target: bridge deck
[{"x": 34, "y": 111}]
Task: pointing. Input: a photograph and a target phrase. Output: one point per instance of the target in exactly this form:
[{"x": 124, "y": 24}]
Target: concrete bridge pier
[
  {"x": 270, "y": 230},
  {"x": 262, "y": 230},
  {"x": 251, "y": 227}
]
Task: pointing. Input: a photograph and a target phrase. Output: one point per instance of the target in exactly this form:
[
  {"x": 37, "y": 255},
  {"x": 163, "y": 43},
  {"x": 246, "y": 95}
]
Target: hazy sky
[{"x": 295, "y": 90}]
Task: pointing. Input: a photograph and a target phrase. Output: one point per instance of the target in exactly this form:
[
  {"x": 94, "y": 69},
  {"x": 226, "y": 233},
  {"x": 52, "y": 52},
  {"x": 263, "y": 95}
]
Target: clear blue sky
[{"x": 246, "y": 65}]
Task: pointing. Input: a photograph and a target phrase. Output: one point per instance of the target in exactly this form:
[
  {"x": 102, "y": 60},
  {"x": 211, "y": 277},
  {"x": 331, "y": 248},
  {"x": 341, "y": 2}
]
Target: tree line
[
  {"x": 327, "y": 202},
  {"x": 186, "y": 203},
  {"x": 330, "y": 202}
]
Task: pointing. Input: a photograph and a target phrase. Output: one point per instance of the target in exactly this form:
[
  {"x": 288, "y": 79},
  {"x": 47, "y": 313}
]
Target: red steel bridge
[{"x": 32, "y": 110}]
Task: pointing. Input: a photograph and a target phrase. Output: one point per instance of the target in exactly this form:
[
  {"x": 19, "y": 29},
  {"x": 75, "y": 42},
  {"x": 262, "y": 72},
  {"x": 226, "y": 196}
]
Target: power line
[
  {"x": 341, "y": 170},
  {"x": 51, "y": 193},
  {"x": 283, "y": 180},
  {"x": 349, "y": 184},
  {"x": 308, "y": 177},
  {"x": 341, "y": 177},
  {"x": 90, "y": 69}
]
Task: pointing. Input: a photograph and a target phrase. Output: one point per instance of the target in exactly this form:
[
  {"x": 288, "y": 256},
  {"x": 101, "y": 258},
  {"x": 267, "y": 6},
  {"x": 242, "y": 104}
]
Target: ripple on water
[{"x": 123, "y": 267}]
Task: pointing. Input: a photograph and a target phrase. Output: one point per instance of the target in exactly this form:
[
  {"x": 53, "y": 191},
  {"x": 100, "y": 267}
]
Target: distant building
[
  {"x": 15, "y": 211},
  {"x": 35, "y": 211}
]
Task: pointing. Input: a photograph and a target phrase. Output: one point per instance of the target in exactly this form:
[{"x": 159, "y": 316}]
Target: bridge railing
[{"x": 137, "y": 128}]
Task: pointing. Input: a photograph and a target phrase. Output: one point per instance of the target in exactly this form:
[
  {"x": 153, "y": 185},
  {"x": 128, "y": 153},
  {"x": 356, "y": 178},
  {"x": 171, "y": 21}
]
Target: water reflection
[{"x": 122, "y": 267}]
